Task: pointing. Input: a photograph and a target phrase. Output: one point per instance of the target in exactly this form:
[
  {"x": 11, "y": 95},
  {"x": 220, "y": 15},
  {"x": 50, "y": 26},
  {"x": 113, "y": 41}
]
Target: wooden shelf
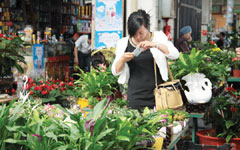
[
  {"x": 84, "y": 32},
  {"x": 82, "y": 18}
]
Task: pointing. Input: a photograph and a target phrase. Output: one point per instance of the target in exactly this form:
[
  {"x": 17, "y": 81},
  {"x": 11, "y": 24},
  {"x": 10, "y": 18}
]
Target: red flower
[
  {"x": 212, "y": 42},
  {"x": 13, "y": 90},
  {"x": 41, "y": 81},
  {"x": 204, "y": 32},
  {"x": 70, "y": 84},
  {"x": 1, "y": 35},
  {"x": 62, "y": 89},
  {"x": 233, "y": 109},
  {"x": 50, "y": 88},
  {"x": 230, "y": 89},
  {"x": 235, "y": 59},
  {"x": 45, "y": 92},
  {"x": 38, "y": 88},
  {"x": 28, "y": 86},
  {"x": 30, "y": 80},
  {"x": 31, "y": 93},
  {"x": 71, "y": 78},
  {"x": 44, "y": 86},
  {"x": 54, "y": 86},
  {"x": 61, "y": 84}
]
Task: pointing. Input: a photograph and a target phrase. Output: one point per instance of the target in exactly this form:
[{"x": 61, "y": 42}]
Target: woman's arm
[
  {"x": 121, "y": 62},
  {"x": 149, "y": 44}
]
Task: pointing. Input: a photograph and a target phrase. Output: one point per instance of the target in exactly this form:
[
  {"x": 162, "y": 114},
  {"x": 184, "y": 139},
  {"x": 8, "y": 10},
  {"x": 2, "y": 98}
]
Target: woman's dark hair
[{"x": 136, "y": 20}]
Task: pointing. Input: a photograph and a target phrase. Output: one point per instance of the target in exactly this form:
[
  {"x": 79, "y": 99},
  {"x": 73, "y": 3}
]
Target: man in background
[
  {"x": 82, "y": 52},
  {"x": 185, "y": 37},
  {"x": 220, "y": 42}
]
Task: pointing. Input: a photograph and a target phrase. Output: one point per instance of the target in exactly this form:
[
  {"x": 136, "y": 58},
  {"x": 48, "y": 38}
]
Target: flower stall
[{"x": 89, "y": 112}]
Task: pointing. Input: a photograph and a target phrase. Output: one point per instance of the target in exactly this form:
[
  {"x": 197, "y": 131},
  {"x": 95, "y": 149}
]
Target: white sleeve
[
  {"x": 119, "y": 53},
  {"x": 79, "y": 41},
  {"x": 173, "y": 51}
]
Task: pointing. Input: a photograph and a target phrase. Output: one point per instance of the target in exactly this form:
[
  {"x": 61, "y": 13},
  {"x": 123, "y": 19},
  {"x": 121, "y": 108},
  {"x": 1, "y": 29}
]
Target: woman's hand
[
  {"x": 127, "y": 56},
  {"x": 147, "y": 44}
]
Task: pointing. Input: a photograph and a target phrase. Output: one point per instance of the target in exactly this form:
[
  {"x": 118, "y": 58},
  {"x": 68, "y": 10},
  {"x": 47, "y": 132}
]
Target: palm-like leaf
[{"x": 10, "y": 55}]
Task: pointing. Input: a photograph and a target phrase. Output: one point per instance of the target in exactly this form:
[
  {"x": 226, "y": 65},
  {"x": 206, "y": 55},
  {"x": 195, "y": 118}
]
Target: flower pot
[
  {"x": 236, "y": 73},
  {"x": 198, "y": 84},
  {"x": 215, "y": 141}
]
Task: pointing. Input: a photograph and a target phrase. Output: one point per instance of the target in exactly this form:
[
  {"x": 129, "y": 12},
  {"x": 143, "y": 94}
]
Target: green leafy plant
[
  {"x": 224, "y": 114},
  {"x": 188, "y": 63},
  {"x": 120, "y": 102},
  {"x": 10, "y": 54},
  {"x": 92, "y": 101},
  {"x": 96, "y": 84}
]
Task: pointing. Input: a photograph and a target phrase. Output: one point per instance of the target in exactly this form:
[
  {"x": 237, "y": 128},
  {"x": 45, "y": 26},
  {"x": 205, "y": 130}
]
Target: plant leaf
[{"x": 123, "y": 138}]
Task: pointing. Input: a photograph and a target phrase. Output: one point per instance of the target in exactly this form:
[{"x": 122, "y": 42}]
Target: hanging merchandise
[{"x": 167, "y": 30}]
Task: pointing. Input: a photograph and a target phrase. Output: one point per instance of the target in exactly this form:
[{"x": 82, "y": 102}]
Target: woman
[
  {"x": 138, "y": 71},
  {"x": 185, "y": 38}
]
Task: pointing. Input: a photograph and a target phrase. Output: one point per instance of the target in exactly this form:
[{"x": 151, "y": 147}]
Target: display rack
[
  {"x": 57, "y": 58},
  {"x": 60, "y": 15}
]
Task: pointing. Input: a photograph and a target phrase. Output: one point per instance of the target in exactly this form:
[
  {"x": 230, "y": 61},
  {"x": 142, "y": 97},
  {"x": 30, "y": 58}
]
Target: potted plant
[
  {"x": 50, "y": 91},
  {"x": 224, "y": 115},
  {"x": 10, "y": 56},
  {"x": 236, "y": 67},
  {"x": 96, "y": 84},
  {"x": 189, "y": 67}
]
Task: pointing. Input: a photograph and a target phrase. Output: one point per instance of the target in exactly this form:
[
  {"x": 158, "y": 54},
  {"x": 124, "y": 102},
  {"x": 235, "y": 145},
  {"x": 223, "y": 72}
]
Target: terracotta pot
[
  {"x": 236, "y": 73},
  {"x": 215, "y": 141}
]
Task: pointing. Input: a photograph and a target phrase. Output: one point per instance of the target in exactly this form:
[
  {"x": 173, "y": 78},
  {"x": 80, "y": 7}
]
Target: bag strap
[{"x": 155, "y": 71}]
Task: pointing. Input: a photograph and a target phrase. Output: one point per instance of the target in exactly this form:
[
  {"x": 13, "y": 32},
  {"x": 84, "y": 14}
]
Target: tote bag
[{"x": 167, "y": 95}]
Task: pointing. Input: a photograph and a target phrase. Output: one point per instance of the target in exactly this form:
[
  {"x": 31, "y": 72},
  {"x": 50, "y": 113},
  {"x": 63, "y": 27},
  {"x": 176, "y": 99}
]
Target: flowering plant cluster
[
  {"x": 236, "y": 63},
  {"x": 224, "y": 114},
  {"x": 49, "y": 90}
]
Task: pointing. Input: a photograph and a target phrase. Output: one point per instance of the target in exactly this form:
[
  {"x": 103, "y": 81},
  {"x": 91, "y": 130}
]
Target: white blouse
[{"x": 159, "y": 57}]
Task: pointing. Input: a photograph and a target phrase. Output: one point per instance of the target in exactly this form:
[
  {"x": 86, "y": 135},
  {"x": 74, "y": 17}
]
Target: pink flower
[
  {"x": 164, "y": 116},
  {"x": 38, "y": 136},
  {"x": 48, "y": 107}
]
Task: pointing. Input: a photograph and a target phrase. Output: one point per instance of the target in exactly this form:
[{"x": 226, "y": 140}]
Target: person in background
[
  {"x": 220, "y": 42},
  {"x": 82, "y": 52},
  {"x": 238, "y": 52},
  {"x": 185, "y": 37},
  {"x": 138, "y": 71}
]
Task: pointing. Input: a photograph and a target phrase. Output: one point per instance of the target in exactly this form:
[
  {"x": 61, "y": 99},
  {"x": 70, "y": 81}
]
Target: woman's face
[
  {"x": 141, "y": 34},
  {"x": 188, "y": 35}
]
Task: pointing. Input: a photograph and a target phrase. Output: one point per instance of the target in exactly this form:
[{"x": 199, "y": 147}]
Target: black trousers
[{"x": 84, "y": 61}]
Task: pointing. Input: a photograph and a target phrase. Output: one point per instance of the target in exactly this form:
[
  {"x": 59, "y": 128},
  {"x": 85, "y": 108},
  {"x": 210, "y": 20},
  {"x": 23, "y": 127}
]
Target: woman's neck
[{"x": 147, "y": 38}]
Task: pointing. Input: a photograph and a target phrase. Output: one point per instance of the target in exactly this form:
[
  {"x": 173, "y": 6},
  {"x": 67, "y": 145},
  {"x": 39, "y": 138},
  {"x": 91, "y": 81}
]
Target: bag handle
[{"x": 155, "y": 71}]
